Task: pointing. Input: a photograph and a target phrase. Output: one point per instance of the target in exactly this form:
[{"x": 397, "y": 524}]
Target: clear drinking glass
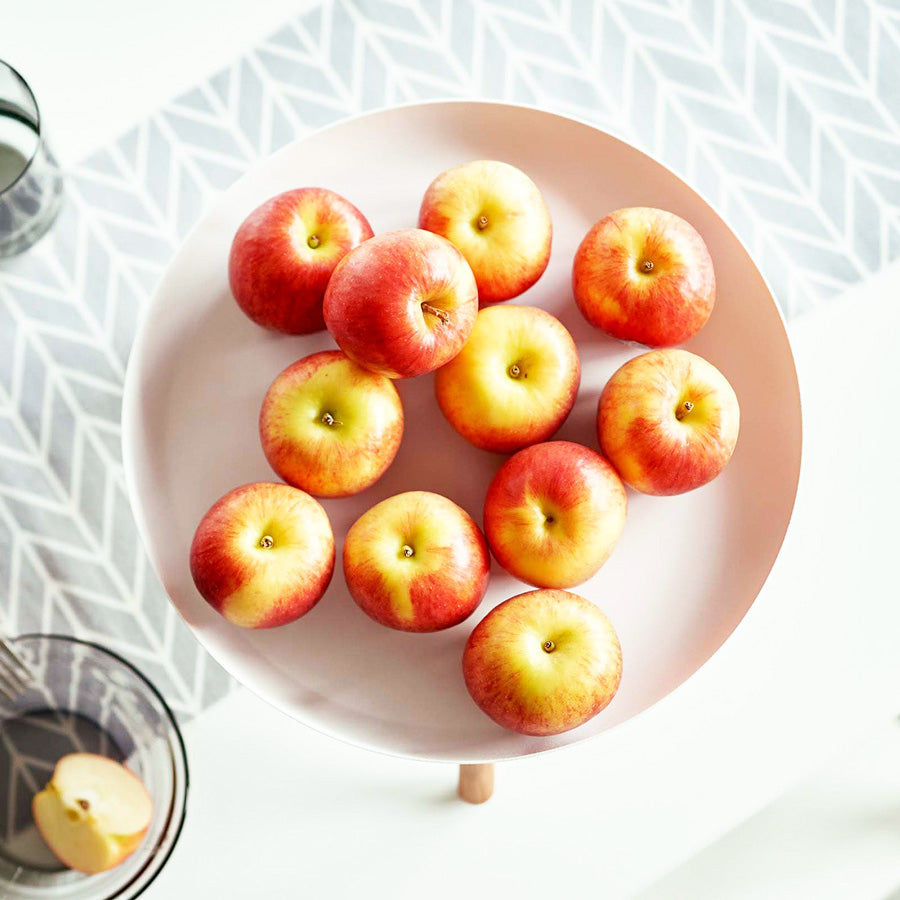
[
  {"x": 86, "y": 699},
  {"x": 30, "y": 180}
]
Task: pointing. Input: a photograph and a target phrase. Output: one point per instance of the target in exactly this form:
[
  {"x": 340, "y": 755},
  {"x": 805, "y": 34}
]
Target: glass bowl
[{"x": 86, "y": 699}]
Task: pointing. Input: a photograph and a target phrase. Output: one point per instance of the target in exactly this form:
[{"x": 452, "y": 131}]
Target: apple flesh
[
  {"x": 263, "y": 555},
  {"x": 645, "y": 275},
  {"x": 497, "y": 217},
  {"x": 668, "y": 420},
  {"x": 330, "y": 427},
  {"x": 514, "y": 382},
  {"x": 416, "y": 562},
  {"x": 553, "y": 514},
  {"x": 94, "y": 812},
  {"x": 543, "y": 662},
  {"x": 284, "y": 252},
  {"x": 402, "y": 304}
]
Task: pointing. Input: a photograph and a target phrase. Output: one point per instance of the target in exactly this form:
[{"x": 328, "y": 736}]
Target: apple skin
[
  {"x": 514, "y": 382},
  {"x": 436, "y": 587},
  {"x": 93, "y": 814},
  {"x": 253, "y": 584},
  {"x": 277, "y": 277},
  {"x": 402, "y": 304},
  {"x": 640, "y": 431},
  {"x": 330, "y": 427},
  {"x": 554, "y": 513},
  {"x": 659, "y": 308},
  {"x": 534, "y": 688},
  {"x": 497, "y": 217}
]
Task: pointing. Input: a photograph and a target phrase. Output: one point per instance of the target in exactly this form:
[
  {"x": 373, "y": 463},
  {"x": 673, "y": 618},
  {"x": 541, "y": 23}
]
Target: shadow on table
[{"x": 835, "y": 836}]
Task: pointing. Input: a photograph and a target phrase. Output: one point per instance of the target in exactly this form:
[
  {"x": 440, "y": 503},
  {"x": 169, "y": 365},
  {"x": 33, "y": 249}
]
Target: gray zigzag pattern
[{"x": 786, "y": 115}]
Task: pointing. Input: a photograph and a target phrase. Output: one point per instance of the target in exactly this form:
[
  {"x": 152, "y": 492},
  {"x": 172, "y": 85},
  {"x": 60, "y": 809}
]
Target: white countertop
[
  {"x": 276, "y": 809},
  {"x": 97, "y": 67}
]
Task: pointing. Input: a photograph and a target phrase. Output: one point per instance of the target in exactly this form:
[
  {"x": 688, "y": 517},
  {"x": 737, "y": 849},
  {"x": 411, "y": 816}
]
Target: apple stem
[
  {"x": 84, "y": 804},
  {"x": 266, "y": 541},
  {"x": 476, "y": 782},
  {"x": 647, "y": 265},
  {"x": 442, "y": 314},
  {"x": 482, "y": 222},
  {"x": 408, "y": 551},
  {"x": 313, "y": 241},
  {"x": 548, "y": 646},
  {"x": 329, "y": 419},
  {"x": 514, "y": 371},
  {"x": 683, "y": 410}
]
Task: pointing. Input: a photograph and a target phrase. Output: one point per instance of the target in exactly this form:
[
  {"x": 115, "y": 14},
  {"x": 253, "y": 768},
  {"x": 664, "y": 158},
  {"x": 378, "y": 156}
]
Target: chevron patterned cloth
[{"x": 785, "y": 115}]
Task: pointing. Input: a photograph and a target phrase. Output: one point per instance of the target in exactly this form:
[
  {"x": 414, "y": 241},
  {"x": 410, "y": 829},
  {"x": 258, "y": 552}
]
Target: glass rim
[
  {"x": 38, "y": 131},
  {"x": 160, "y": 858}
]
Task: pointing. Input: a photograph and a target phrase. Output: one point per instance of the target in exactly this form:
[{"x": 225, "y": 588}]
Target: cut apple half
[{"x": 94, "y": 812}]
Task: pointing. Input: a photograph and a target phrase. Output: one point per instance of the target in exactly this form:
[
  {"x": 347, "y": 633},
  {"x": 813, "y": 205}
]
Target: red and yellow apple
[
  {"x": 668, "y": 420},
  {"x": 645, "y": 275},
  {"x": 514, "y": 382},
  {"x": 497, "y": 217},
  {"x": 402, "y": 304},
  {"x": 330, "y": 427},
  {"x": 416, "y": 562},
  {"x": 543, "y": 662},
  {"x": 263, "y": 555},
  {"x": 284, "y": 253},
  {"x": 93, "y": 814},
  {"x": 553, "y": 514}
]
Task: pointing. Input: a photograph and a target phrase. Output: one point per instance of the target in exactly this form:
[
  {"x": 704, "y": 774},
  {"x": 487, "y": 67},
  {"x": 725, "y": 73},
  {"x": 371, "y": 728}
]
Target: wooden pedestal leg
[{"x": 476, "y": 782}]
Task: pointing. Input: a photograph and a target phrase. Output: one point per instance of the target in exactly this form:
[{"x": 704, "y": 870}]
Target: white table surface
[
  {"x": 835, "y": 835},
  {"x": 276, "y": 810}
]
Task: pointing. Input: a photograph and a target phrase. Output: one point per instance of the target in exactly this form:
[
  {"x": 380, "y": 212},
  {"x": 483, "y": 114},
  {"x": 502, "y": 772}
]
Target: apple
[
  {"x": 329, "y": 426},
  {"x": 645, "y": 275},
  {"x": 402, "y": 304},
  {"x": 416, "y": 562},
  {"x": 543, "y": 662},
  {"x": 93, "y": 813},
  {"x": 668, "y": 421},
  {"x": 263, "y": 555},
  {"x": 553, "y": 514},
  {"x": 284, "y": 253},
  {"x": 514, "y": 382},
  {"x": 497, "y": 217}
]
